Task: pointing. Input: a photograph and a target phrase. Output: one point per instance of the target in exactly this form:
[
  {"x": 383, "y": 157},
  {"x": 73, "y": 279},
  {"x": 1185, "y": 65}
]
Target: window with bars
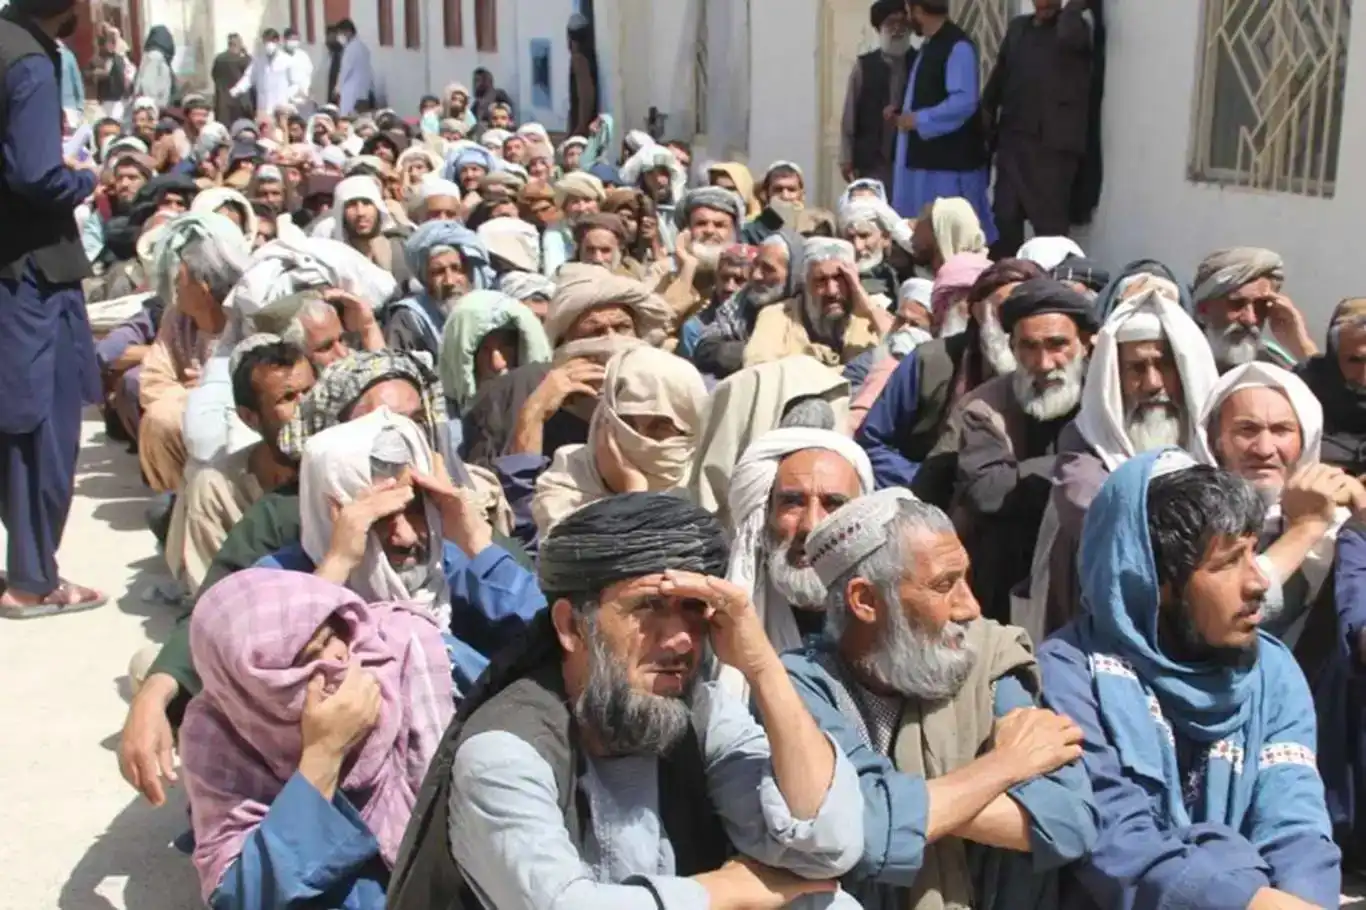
[
  {"x": 385, "y": 14},
  {"x": 412, "y": 24},
  {"x": 1268, "y": 104},
  {"x": 486, "y": 25},
  {"x": 453, "y": 22},
  {"x": 985, "y": 21}
]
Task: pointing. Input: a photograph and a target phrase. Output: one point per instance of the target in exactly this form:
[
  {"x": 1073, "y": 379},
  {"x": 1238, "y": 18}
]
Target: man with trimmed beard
[
  {"x": 708, "y": 220},
  {"x": 595, "y": 766},
  {"x": 775, "y": 275},
  {"x": 1237, "y": 295},
  {"x": 1200, "y": 739},
  {"x": 365, "y": 224},
  {"x": 972, "y": 795},
  {"x": 833, "y": 319},
  {"x": 1150, "y": 372},
  {"x": 784, "y": 485},
  {"x": 1008, "y": 431}
]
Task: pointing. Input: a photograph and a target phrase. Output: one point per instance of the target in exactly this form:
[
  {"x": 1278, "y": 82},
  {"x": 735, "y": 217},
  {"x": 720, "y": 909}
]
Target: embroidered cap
[{"x": 853, "y": 531}]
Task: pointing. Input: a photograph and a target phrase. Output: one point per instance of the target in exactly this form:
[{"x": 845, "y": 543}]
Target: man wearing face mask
[
  {"x": 300, "y": 71},
  {"x": 49, "y": 371},
  {"x": 270, "y": 75},
  {"x": 876, "y": 87}
]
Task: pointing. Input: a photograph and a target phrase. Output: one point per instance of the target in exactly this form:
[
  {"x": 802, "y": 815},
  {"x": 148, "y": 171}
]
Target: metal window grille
[
  {"x": 1268, "y": 110},
  {"x": 985, "y": 22},
  {"x": 699, "y": 82}
]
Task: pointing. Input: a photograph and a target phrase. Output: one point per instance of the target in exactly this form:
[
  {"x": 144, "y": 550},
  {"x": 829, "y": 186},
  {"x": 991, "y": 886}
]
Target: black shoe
[{"x": 159, "y": 516}]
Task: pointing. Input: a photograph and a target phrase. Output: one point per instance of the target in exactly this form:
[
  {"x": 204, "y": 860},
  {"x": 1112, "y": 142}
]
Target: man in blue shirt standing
[{"x": 47, "y": 356}]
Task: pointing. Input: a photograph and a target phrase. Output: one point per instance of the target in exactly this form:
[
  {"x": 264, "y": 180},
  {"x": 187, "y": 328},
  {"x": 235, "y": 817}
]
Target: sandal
[{"x": 66, "y": 598}]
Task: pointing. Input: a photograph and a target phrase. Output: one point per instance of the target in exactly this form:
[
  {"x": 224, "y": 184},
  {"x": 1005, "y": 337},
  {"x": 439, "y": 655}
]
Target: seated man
[
  {"x": 448, "y": 260},
  {"x": 832, "y": 318},
  {"x": 364, "y": 223},
  {"x": 1199, "y": 729},
  {"x": 785, "y": 484},
  {"x": 1237, "y": 295},
  {"x": 1334, "y": 377},
  {"x": 120, "y": 354},
  {"x": 972, "y": 796},
  {"x": 869, "y": 225},
  {"x": 595, "y": 767},
  {"x": 302, "y": 753},
  {"x": 708, "y": 220},
  {"x": 775, "y": 275},
  {"x": 732, "y": 275}
]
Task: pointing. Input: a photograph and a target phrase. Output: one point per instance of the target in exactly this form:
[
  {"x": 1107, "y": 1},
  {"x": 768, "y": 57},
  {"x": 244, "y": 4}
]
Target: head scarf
[
  {"x": 827, "y": 249},
  {"x": 580, "y": 142},
  {"x": 431, "y": 186},
  {"x": 711, "y": 197},
  {"x": 522, "y": 286},
  {"x": 628, "y": 536},
  {"x": 514, "y": 241},
  {"x": 214, "y": 198},
  {"x": 332, "y": 156},
  {"x": 749, "y": 496},
  {"x": 863, "y": 183},
  {"x": 494, "y": 139},
  {"x": 635, "y": 140},
  {"x": 478, "y": 315},
  {"x": 1082, "y": 271},
  {"x": 744, "y": 184},
  {"x": 1045, "y": 295},
  {"x": 1141, "y": 693},
  {"x": 184, "y": 230},
  {"x": 641, "y": 382},
  {"x": 1223, "y": 272},
  {"x": 434, "y": 161},
  {"x": 533, "y": 133},
  {"x": 1049, "y": 252},
  {"x": 367, "y": 189},
  {"x": 956, "y": 228},
  {"x": 653, "y": 157},
  {"x": 337, "y": 467},
  {"x": 578, "y": 185},
  {"x": 240, "y": 742},
  {"x": 581, "y": 287},
  {"x": 1151, "y": 315},
  {"x": 463, "y": 156},
  {"x": 243, "y": 125},
  {"x": 435, "y": 234}
]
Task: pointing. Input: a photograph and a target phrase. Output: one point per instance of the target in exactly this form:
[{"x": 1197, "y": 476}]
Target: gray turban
[
  {"x": 711, "y": 197},
  {"x": 1224, "y": 272},
  {"x": 629, "y": 536}
]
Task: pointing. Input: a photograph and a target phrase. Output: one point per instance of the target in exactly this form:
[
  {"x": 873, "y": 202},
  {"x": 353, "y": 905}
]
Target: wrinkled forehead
[
  {"x": 816, "y": 472},
  {"x": 1262, "y": 405}
]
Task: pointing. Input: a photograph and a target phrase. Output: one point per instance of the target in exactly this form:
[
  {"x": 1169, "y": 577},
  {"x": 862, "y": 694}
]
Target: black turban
[
  {"x": 1047, "y": 295},
  {"x": 883, "y": 9},
  {"x": 629, "y": 536},
  {"x": 1083, "y": 272}
]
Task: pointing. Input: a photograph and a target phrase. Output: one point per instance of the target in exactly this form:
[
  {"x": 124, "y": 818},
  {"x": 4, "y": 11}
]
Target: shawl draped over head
[
  {"x": 1142, "y": 694},
  {"x": 452, "y": 234},
  {"x": 628, "y": 536},
  {"x": 1223, "y": 272},
  {"x": 514, "y": 240},
  {"x": 745, "y": 406},
  {"x": 478, "y": 315},
  {"x": 1049, "y": 252},
  {"x": 337, "y": 467},
  {"x": 640, "y": 382},
  {"x": 652, "y": 157},
  {"x": 876, "y": 212},
  {"x": 533, "y": 132},
  {"x": 364, "y": 188},
  {"x": 744, "y": 184},
  {"x": 185, "y": 230},
  {"x": 1101, "y": 420},
  {"x": 711, "y": 197},
  {"x": 495, "y": 139},
  {"x": 863, "y": 183},
  {"x": 521, "y": 286},
  {"x": 214, "y": 198},
  {"x": 1130, "y": 277},
  {"x": 579, "y": 185},
  {"x": 241, "y": 740},
  {"x": 953, "y": 280},
  {"x": 956, "y": 228},
  {"x": 580, "y": 287},
  {"x": 751, "y": 490},
  {"x": 462, "y": 155}
]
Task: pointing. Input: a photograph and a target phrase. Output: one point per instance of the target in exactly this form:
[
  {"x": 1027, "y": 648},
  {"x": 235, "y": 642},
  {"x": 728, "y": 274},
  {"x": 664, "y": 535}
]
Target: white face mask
[
  {"x": 271, "y": 48},
  {"x": 342, "y": 39},
  {"x": 894, "y": 44},
  {"x": 291, "y": 45}
]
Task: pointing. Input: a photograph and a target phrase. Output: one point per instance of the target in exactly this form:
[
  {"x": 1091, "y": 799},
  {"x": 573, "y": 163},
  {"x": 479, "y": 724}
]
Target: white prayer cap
[
  {"x": 828, "y": 249},
  {"x": 1142, "y": 323},
  {"x": 919, "y": 290},
  {"x": 853, "y": 532}
]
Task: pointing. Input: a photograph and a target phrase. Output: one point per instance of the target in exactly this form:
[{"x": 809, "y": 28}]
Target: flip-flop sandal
[{"x": 58, "y": 601}]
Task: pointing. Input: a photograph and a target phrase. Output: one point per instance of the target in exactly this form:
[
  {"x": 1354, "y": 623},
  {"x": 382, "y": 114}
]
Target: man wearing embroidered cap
[
  {"x": 972, "y": 795},
  {"x": 1199, "y": 728}
]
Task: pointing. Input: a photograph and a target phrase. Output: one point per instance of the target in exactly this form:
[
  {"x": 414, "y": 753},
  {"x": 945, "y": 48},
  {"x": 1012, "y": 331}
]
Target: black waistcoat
[
  {"x": 871, "y": 132},
  {"x": 965, "y": 149}
]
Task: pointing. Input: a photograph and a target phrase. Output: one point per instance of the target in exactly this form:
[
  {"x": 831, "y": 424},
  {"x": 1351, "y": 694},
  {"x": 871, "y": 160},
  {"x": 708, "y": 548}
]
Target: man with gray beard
[
  {"x": 708, "y": 221},
  {"x": 594, "y": 767},
  {"x": 1237, "y": 296},
  {"x": 775, "y": 276},
  {"x": 1007, "y": 435},
  {"x": 973, "y": 796}
]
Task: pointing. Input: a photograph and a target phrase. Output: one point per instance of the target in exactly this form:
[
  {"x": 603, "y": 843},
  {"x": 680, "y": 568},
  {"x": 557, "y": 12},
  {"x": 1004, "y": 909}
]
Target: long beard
[
  {"x": 866, "y": 264},
  {"x": 802, "y": 588},
  {"x": 414, "y": 569},
  {"x": 760, "y": 296},
  {"x": 624, "y": 720},
  {"x": 825, "y": 328},
  {"x": 916, "y": 664},
  {"x": 1059, "y": 397},
  {"x": 1234, "y": 345},
  {"x": 1154, "y": 424},
  {"x": 995, "y": 345},
  {"x": 708, "y": 256}
]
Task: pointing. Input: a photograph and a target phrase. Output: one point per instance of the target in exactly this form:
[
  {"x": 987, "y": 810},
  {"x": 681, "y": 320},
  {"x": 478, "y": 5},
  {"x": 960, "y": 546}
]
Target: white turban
[
  {"x": 751, "y": 487},
  {"x": 1048, "y": 252},
  {"x": 827, "y": 249},
  {"x": 359, "y": 187}
]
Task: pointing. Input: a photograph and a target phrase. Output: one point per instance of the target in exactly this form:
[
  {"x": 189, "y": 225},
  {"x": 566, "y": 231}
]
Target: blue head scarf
[
  {"x": 433, "y": 234},
  {"x": 1108, "y": 298},
  {"x": 470, "y": 154},
  {"x": 1145, "y": 698}
]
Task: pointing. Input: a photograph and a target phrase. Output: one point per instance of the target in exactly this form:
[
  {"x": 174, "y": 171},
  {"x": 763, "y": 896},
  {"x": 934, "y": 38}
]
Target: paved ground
[{"x": 78, "y": 837}]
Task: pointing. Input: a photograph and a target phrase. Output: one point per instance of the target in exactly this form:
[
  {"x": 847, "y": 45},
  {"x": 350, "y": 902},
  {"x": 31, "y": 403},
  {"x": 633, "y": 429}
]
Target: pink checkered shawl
[{"x": 241, "y": 740}]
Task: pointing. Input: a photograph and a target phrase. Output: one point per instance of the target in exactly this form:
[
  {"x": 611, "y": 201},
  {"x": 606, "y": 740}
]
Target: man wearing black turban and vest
[
  {"x": 595, "y": 766},
  {"x": 48, "y": 370}
]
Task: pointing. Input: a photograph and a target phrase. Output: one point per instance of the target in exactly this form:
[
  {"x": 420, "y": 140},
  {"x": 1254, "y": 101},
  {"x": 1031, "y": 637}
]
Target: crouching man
[
  {"x": 972, "y": 796},
  {"x": 595, "y": 768}
]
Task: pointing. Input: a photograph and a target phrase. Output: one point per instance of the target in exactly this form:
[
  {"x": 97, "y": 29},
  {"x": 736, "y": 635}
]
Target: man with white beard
[
  {"x": 973, "y": 795},
  {"x": 1008, "y": 431},
  {"x": 1237, "y": 294},
  {"x": 871, "y": 226},
  {"x": 1150, "y": 372},
  {"x": 775, "y": 275},
  {"x": 784, "y": 485},
  {"x": 708, "y": 221},
  {"x": 833, "y": 319}
]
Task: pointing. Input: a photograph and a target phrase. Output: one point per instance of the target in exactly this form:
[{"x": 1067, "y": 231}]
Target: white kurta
[
  {"x": 301, "y": 75},
  {"x": 356, "y": 80},
  {"x": 272, "y": 79}
]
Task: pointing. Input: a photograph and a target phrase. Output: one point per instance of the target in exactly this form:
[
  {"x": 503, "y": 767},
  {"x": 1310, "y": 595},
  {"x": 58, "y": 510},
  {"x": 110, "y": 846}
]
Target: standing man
[
  {"x": 877, "y": 86},
  {"x": 584, "y": 90},
  {"x": 228, "y": 69},
  {"x": 300, "y": 73},
  {"x": 48, "y": 370},
  {"x": 355, "y": 78},
  {"x": 1037, "y": 106},
  {"x": 941, "y": 151},
  {"x": 270, "y": 75}
]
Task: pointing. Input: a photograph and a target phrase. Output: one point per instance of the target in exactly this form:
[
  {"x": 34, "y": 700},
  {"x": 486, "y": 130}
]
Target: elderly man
[
  {"x": 972, "y": 795},
  {"x": 469, "y": 166},
  {"x": 785, "y": 485},
  {"x": 1199, "y": 729},
  {"x": 870, "y": 225},
  {"x": 435, "y": 199},
  {"x": 708, "y": 221},
  {"x": 876, "y": 83},
  {"x": 732, "y": 275},
  {"x": 685, "y": 800},
  {"x": 576, "y": 195},
  {"x": 833, "y": 319},
  {"x": 1337, "y": 378},
  {"x": 598, "y": 239},
  {"x": 1237, "y": 295},
  {"x": 775, "y": 275},
  {"x": 449, "y": 261},
  {"x": 904, "y": 426},
  {"x": 1149, "y": 375},
  {"x": 364, "y": 223},
  {"x": 1008, "y": 431}
]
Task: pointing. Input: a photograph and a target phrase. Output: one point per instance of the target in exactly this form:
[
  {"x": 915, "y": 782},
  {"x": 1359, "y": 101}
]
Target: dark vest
[
  {"x": 29, "y": 230},
  {"x": 871, "y": 132},
  {"x": 965, "y": 149},
  {"x": 533, "y": 708},
  {"x": 938, "y": 364}
]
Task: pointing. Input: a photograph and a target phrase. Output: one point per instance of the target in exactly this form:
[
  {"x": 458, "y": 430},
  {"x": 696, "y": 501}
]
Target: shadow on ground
[
  {"x": 133, "y": 864},
  {"x": 146, "y": 597}
]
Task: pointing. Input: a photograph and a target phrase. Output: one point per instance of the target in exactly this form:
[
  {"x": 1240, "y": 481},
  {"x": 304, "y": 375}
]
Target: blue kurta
[
  {"x": 894, "y": 410},
  {"x": 912, "y": 190}
]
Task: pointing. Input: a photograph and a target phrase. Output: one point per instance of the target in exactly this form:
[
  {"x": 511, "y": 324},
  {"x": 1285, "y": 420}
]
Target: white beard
[
  {"x": 708, "y": 255},
  {"x": 893, "y": 46},
  {"x": 801, "y": 588},
  {"x": 995, "y": 344},
  {"x": 1151, "y": 428},
  {"x": 760, "y": 296},
  {"x": 1058, "y": 398},
  {"x": 1235, "y": 345},
  {"x": 955, "y": 322},
  {"x": 867, "y": 263}
]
